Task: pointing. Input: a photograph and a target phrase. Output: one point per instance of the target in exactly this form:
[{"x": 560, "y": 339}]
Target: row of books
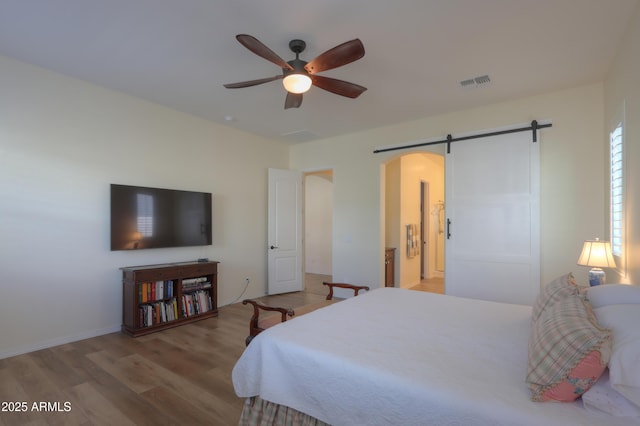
[
  {"x": 192, "y": 284},
  {"x": 158, "y": 312},
  {"x": 155, "y": 290},
  {"x": 196, "y": 303}
]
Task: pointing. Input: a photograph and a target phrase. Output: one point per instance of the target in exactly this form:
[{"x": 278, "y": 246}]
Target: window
[{"x": 617, "y": 196}]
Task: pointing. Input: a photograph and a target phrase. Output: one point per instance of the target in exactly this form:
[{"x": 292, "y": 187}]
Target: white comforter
[{"x": 401, "y": 357}]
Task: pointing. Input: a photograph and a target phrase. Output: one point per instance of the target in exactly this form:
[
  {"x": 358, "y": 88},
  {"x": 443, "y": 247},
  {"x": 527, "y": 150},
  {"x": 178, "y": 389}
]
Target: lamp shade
[
  {"x": 297, "y": 83},
  {"x": 597, "y": 254}
]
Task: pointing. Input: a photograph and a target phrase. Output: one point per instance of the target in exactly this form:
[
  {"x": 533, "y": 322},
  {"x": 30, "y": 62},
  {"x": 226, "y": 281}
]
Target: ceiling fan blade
[
  {"x": 294, "y": 100},
  {"x": 338, "y": 56},
  {"x": 256, "y": 46},
  {"x": 339, "y": 87},
  {"x": 251, "y": 82}
]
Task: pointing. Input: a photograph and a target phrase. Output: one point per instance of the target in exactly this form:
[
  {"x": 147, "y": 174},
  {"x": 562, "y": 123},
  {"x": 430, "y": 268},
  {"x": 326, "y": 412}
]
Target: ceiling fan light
[{"x": 296, "y": 83}]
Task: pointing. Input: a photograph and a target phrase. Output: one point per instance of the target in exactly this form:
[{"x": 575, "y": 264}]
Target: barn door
[{"x": 493, "y": 219}]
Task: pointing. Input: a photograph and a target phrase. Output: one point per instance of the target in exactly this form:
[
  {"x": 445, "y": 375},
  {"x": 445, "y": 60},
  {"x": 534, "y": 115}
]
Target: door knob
[{"x": 273, "y": 247}]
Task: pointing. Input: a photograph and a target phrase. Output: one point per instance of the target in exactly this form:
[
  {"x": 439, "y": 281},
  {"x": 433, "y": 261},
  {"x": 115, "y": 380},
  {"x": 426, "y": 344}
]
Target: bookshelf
[{"x": 157, "y": 297}]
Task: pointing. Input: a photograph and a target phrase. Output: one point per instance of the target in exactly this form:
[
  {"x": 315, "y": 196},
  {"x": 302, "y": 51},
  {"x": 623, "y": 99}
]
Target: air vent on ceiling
[{"x": 475, "y": 82}]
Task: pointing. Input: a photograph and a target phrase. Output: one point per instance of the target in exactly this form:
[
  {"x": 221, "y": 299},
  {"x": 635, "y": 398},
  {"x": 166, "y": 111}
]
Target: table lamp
[{"x": 597, "y": 254}]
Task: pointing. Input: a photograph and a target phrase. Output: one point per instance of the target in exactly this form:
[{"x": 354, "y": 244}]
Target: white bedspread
[{"x": 402, "y": 357}]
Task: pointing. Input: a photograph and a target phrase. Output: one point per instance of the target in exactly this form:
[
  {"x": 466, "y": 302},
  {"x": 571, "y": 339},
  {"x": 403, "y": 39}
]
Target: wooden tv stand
[{"x": 157, "y": 297}]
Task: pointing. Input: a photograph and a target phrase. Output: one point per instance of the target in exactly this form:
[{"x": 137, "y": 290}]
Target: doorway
[
  {"x": 318, "y": 230},
  {"x": 414, "y": 187}
]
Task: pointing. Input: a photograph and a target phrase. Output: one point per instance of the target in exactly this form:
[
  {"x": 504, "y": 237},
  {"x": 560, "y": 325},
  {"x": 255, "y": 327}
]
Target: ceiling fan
[{"x": 298, "y": 76}]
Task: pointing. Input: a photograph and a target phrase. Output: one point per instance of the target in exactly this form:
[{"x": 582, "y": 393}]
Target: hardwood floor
[{"x": 177, "y": 376}]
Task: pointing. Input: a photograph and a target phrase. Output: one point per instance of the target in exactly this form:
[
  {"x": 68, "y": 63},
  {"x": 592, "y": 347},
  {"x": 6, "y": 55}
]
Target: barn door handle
[{"x": 448, "y": 228}]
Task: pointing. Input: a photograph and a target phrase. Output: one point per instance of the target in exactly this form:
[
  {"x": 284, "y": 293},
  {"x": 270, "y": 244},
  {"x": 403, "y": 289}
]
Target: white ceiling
[{"x": 179, "y": 53}]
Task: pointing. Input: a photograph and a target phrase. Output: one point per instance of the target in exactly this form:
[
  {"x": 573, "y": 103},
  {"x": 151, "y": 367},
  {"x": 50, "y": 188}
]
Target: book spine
[{"x": 157, "y": 294}]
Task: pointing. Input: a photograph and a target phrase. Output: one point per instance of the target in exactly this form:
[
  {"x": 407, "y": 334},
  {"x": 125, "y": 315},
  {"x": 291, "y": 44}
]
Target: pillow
[
  {"x": 613, "y": 294},
  {"x": 556, "y": 290},
  {"x": 568, "y": 351},
  {"x": 624, "y": 366}
]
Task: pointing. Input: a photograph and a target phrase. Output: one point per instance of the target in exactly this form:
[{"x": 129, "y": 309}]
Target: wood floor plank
[
  {"x": 11, "y": 391},
  {"x": 95, "y": 407},
  {"x": 174, "y": 357},
  {"x": 131, "y": 370},
  {"x": 177, "y": 409},
  {"x": 50, "y": 361},
  {"x": 137, "y": 409},
  {"x": 183, "y": 386},
  {"x": 35, "y": 381},
  {"x": 219, "y": 383}
]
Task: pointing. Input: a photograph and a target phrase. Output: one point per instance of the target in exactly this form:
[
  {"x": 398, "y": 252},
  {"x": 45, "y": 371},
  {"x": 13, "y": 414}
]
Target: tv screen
[{"x": 143, "y": 218}]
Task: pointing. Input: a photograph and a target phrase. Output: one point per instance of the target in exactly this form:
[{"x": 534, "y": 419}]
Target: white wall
[
  {"x": 62, "y": 142},
  {"x": 622, "y": 87},
  {"x": 572, "y": 170}
]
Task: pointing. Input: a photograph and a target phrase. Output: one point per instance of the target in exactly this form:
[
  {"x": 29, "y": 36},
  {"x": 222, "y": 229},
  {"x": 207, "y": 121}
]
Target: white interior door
[
  {"x": 285, "y": 231},
  {"x": 493, "y": 219}
]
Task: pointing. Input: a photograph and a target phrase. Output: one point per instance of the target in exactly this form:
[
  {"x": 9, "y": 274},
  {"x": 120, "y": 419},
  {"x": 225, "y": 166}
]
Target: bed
[{"x": 394, "y": 356}]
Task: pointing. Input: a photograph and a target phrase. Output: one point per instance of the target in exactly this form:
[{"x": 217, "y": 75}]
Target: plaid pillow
[
  {"x": 568, "y": 351},
  {"x": 558, "y": 289}
]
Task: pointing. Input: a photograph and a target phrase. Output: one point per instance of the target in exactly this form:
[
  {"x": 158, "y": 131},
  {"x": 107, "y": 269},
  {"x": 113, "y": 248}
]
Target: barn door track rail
[{"x": 449, "y": 140}]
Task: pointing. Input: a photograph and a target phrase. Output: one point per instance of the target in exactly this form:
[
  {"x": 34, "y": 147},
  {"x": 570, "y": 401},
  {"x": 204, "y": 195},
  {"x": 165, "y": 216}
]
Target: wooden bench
[{"x": 276, "y": 315}]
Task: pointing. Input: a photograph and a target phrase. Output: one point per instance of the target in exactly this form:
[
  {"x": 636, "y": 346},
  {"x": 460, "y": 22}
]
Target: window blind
[{"x": 617, "y": 190}]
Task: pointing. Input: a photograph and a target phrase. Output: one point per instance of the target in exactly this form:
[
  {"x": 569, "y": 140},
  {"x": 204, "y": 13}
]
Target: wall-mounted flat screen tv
[{"x": 143, "y": 218}]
